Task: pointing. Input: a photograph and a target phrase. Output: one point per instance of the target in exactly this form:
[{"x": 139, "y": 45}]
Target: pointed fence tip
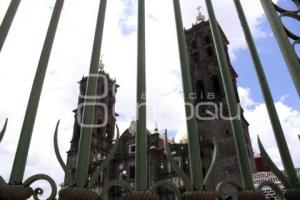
[{"x": 3, "y": 129}]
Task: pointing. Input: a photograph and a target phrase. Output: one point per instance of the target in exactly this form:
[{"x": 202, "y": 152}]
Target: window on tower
[
  {"x": 194, "y": 44},
  {"x": 207, "y": 39},
  {"x": 132, "y": 172},
  {"x": 200, "y": 90},
  {"x": 195, "y": 56},
  {"x": 132, "y": 148},
  {"x": 209, "y": 51},
  {"x": 216, "y": 84}
]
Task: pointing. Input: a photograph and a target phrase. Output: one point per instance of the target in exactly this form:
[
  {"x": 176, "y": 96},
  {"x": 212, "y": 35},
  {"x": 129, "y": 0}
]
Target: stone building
[
  {"x": 213, "y": 119},
  {"x": 212, "y": 122},
  {"x": 103, "y": 134}
]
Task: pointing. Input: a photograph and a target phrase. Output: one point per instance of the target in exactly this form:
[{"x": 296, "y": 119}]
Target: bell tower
[
  {"x": 104, "y": 119},
  {"x": 210, "y": 103}
]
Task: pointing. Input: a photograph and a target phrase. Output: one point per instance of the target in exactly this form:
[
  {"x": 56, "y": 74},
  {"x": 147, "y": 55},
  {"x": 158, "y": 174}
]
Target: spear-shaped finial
[{"x": 156, "y": 128}]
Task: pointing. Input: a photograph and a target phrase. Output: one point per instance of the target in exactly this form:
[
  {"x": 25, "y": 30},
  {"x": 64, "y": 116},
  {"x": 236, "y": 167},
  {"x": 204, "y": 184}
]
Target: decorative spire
[
  {"x": 101, "y": 64},
  {"x": 156, "y": 128},
  {"x": 132, "y": 127},
  {"x": 200, "y": 17}
]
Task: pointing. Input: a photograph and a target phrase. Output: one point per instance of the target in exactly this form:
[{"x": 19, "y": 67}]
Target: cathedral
[{"x": 207, "y": 85}]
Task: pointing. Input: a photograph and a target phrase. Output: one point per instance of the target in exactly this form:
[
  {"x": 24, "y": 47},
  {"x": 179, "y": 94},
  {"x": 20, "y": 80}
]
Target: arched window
[
  {"x": 200, "y": 90},
  {"x": 216, "y": 84},
  {"x": 207, "y": 39},
  {"x": 209, "y": 51},
  {"x": 195, "y": 57},
  {"x": 194, "y": 44}
]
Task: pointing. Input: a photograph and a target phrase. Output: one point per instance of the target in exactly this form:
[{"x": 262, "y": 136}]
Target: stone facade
[
  {"x": 104, "y": 133},
  {"x": 209, "y": 96}
]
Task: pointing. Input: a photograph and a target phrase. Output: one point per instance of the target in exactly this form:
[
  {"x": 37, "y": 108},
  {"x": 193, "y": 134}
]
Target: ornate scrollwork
[
  {"x": 284, "y": 180},
  {"x": 171, "y": 186},
  {"x": 291, "y": 14},
  {"x": 292, "y": 35},
  {"x": 39, "y": 191},
  {"x": 220, "y": 188},
  {"x": 115, "y": 183},
  {"x": 241, "y": 194},
  {"x": 274, "y": 187},
  {"x": 283, "y": 10},
  {"x": 3, "y": 130},
  {"x": 24, "y": 191}
]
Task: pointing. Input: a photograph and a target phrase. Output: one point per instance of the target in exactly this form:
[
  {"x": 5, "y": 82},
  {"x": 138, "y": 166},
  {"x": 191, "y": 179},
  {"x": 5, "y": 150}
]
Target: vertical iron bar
[
  {"x": 297, "y": 2},
  {"x": 194, "y": 147},
  {"x": 231, "y": 101},
  {"x": 286, "y": 48},
  {"x": 7, "y": 20},
  {"x": 277, "y": 128},
  {"x": 141, "y": 132},
  {"x": 30, "y": 115},
  {"x": 83, "y": 160}
]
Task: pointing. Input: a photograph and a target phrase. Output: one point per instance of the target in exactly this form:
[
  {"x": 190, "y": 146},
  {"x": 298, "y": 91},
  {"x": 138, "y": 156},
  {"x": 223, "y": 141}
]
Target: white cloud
[
  {"x": 70, "y": 61},
  {"x": 245, "y": 97},
  {"x": 260, "y": 125}
]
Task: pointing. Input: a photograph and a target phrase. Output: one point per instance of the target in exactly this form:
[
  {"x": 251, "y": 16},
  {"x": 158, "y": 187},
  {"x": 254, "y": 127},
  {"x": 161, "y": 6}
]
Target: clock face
[{"x": 132, "y": 128}]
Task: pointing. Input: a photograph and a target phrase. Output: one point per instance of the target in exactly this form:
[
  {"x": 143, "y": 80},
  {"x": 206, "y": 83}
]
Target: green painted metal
[
  {"x": 194, "y": 148},
  {"x": 7, "y": 20},
  {"x": 3, "y": 130},
  {"x": 185, "y": 179},
  {"x": 284, "y": 180},
  {"x": 274, "y": 187},
  {"x": 67, "y": 171},
  {"x": 286, "y": 48},
  {"x": 141, "y": 174},
  {"x": 114, "y": 183},
  {"x": 39, "y": 191},
  {"x": 30, "y": 115},
  {"x": 228, "y": 183},
  {"x": 213, "y": 164},
  {"x": 276, "y": 125},
  {"x": 169, "y": 185},
  {"x": 105, "y": 163},
  {"x": 83, "y": 159},
  {"x": 231, "y": 101}
]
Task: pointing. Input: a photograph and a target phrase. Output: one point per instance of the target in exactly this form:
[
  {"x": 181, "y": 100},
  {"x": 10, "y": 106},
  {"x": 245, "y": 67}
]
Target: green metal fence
[{"x": 80, "y": 186}]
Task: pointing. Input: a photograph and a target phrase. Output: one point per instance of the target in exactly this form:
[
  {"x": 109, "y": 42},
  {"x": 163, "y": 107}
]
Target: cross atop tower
[
  {"x": 200, "y": 17},
  {"x": 199, "y": 9},
  {"x": 101, "y": 64}
]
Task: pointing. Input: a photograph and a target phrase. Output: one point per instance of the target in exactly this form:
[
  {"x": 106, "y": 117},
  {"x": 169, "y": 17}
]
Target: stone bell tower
[
  {"x": 210, "y": 102},
  {"x": 104, "y": 119}
]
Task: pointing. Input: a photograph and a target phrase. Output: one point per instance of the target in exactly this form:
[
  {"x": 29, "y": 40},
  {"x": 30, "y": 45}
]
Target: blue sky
[{"x": 274, "y": 65}]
